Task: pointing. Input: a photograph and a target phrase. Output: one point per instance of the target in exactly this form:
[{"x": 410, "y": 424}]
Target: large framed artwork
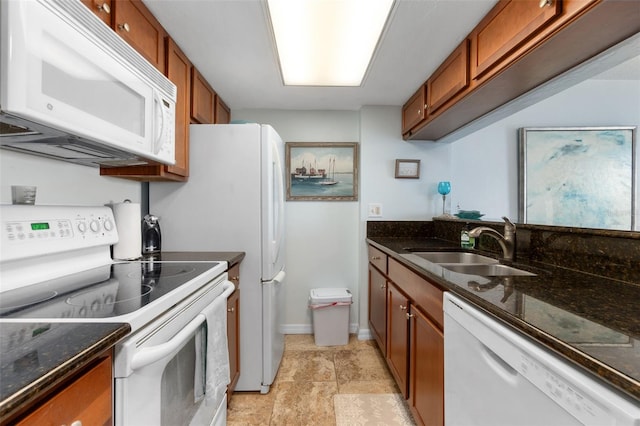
[
  {"x": 578, "y": 176},
  {"x": 323, "y": 171}
]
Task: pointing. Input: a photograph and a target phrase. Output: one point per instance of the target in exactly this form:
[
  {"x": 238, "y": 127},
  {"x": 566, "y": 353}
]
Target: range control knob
[
  {"x": 108, "y": 225},
  {"x": 94, "y": 225},
  {"x": 82, "y": 227}
]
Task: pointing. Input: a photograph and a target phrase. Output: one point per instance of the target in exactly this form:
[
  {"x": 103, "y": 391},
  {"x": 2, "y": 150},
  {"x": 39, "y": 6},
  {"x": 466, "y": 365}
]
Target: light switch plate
[{"x": 375, "y": 210}]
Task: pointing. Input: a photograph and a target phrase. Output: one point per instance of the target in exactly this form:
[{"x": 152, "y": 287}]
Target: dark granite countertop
[
  {"x": 37, "y": 357},
  {"x": 588, "y": 319}
]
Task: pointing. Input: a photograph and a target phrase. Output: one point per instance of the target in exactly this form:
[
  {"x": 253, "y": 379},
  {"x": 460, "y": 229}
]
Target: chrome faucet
[{"x": 506, "y": 241}]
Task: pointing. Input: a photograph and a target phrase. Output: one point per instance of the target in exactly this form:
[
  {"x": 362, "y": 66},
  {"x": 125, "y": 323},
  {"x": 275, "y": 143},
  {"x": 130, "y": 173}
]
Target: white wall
[
  {"x": 62, "y": 183},
  {"x": 485, "y": 166}
]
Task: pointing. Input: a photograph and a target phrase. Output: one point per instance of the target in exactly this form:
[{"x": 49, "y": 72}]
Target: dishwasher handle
[{"x": 152, "y": 354}]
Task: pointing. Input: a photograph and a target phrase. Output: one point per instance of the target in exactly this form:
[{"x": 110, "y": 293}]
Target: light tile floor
[{"x": 308, "y": 378}]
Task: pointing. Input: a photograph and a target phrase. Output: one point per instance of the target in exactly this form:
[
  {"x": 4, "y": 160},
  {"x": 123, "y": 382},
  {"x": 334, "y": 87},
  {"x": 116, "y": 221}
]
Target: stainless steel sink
[
  {"x": 455, "y": 257},
  {"x": 488, "y": 270}
]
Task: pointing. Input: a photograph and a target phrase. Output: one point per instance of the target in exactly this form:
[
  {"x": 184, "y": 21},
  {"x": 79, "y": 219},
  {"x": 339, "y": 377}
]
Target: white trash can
[{"x": 330, "y": 308}]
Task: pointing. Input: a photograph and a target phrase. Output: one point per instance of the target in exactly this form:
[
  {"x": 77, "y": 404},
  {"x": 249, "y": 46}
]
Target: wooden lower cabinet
[
  {"x": 409, "y": 308},
  {"x": 426, "y": 381},
  {"x": 85, "y": 401},
  {"x": 233, "y": 329},
  {"x": 398, "y": 337},
  {"x": 378, "y": 307}
]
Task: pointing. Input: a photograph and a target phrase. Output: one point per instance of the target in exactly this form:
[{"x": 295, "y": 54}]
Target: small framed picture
[{"x": 407, "y": 169}]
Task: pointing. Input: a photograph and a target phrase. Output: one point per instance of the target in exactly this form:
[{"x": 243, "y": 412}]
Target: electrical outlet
[{"x": 375, "y": 210}]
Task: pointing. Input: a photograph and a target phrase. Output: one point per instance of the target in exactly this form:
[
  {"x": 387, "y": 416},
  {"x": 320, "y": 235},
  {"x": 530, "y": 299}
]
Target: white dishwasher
[{"x": 495, "y": 376}]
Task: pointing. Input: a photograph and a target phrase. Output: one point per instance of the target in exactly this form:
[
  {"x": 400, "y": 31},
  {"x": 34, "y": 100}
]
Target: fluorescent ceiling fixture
[{"x": 327, "y": 42}]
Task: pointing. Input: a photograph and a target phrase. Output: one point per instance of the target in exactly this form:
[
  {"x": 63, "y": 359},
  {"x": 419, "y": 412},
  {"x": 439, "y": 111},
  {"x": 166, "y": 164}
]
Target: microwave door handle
[
  {"x": 152, "y": 354},
  {"x": 159, "y": 131},
  {"x": 147, "y": 356}
]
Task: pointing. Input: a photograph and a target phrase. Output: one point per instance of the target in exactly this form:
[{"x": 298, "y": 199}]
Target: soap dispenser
[{"x": 465, "y": 240}]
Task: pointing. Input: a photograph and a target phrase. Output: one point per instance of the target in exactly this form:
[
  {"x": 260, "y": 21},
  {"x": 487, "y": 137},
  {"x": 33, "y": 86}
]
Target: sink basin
[
  {"x": 455, "y": 257},
  {"x": 488, "y": 270}
]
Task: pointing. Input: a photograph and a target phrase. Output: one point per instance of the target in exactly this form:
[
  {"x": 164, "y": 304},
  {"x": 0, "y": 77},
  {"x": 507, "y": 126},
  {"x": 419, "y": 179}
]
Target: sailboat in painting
[{"x": 332, "y": 170}]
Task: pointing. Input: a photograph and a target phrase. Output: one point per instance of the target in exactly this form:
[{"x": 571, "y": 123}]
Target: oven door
[{"x": 162, "y": 371}]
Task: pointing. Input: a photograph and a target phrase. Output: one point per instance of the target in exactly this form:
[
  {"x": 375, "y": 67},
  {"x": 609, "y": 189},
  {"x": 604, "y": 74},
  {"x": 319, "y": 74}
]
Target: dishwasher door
[{"x": 496, "y": 376}]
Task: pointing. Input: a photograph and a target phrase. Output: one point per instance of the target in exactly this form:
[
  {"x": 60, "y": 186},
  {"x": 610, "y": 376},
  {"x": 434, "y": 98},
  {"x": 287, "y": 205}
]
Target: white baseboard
[{"x": 363, "y": 334}]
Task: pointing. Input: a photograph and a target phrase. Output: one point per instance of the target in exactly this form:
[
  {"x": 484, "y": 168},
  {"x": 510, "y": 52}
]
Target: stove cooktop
[{"x": 114, "y": 292}]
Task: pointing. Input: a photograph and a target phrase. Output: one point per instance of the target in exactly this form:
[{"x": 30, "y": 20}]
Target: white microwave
[{"x": 72, "y": 89}]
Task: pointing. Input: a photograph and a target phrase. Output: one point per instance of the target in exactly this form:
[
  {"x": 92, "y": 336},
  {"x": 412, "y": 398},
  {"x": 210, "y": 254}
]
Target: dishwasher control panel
[{"x": 583, "y": 408}]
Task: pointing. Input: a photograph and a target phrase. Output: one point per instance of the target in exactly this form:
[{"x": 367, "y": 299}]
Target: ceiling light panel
[{"x": 327, "y": 42}]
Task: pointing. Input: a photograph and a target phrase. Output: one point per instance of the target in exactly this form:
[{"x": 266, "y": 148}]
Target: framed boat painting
[
  {"x": 581, "y": 177},
  {"x": 321, "y": 171}
]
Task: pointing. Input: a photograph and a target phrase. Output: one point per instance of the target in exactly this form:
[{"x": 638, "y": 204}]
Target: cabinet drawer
[
  {"x": 378, "y": 259},
  {"x": 507, "y": 26},
  {"x": 425, "y": 295},
  {"x": 234, "y": 275},
  {"x": 450, "y": 78},
  {"x": 88, "y": 399}
]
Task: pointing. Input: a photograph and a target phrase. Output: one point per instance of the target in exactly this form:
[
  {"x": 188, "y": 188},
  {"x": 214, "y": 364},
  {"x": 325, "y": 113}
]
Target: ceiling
[{"x": 230, "y": 43}]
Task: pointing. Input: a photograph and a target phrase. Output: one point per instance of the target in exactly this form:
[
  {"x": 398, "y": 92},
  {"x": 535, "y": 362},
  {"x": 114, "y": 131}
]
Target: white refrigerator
[{"x": 234, "y": 201}]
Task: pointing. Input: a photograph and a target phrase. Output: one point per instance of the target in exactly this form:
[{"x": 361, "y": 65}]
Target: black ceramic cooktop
[{"x": 103, "y": 292}]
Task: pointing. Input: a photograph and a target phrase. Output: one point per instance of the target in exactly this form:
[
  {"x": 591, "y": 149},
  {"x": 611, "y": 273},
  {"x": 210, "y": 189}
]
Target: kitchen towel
[
  {"x": 128, "y": 219},
  {"x": 217, "y": 371}
]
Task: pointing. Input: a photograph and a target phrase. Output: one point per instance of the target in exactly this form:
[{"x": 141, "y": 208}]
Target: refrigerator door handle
[{"x": 280, "y": 276}]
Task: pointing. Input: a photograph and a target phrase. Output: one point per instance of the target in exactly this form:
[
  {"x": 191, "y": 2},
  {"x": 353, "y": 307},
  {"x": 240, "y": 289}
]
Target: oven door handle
[{"x": 152, "y": 354}]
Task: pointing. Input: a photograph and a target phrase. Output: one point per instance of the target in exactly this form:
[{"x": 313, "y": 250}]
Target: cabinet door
[
  {"x": 426, "y": 395},
  {"x": 508, "y": 25},
  {"x": 450, "y": 78},
  {"x": 138, "y": 27},
  {"x": 101, "y": 8},
  {"x": 414, "y": 110},
  {"x": 398, "y": 335},
  {"x": 86, "y": 400},
  {"x": 233, "y": 336},
  {"x": 378, "y": 307},
  {"x": 179, "y": 72},
  {"x": 202, "y": 99},
  {"x": 223, "y": 113}
]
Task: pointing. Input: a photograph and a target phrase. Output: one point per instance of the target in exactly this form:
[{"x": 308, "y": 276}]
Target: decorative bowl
[{"x": 469, "y": 214}]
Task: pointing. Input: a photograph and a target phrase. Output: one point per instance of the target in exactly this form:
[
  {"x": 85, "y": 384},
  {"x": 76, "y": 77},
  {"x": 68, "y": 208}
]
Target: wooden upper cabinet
[
  {"x": 101, "y": 8},
  {"x": 202, "y": 99},
  {"x": 223, "y": 113},
  {"x": 414, "y": 110},
  {"x": 179, "y": 72},
  {"x": 138, "y": 27},
  {"x": 450, "y": 78},
  {"x": 507, "y": 26}
]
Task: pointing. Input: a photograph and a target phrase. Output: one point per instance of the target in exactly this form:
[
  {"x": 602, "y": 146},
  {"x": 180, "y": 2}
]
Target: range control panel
[{"x": 29, "y": 231}]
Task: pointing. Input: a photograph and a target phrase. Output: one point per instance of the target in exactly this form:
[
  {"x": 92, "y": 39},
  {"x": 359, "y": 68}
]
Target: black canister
[{"x": 151, "y": 237}]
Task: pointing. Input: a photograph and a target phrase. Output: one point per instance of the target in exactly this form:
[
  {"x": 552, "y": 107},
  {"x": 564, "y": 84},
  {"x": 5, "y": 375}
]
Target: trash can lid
[{"x": 326, "y": 295}]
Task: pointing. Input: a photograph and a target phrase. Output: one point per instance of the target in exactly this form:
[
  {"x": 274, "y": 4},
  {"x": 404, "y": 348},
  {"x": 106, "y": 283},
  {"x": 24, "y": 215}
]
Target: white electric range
[{"x": 55, "y": 267}]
